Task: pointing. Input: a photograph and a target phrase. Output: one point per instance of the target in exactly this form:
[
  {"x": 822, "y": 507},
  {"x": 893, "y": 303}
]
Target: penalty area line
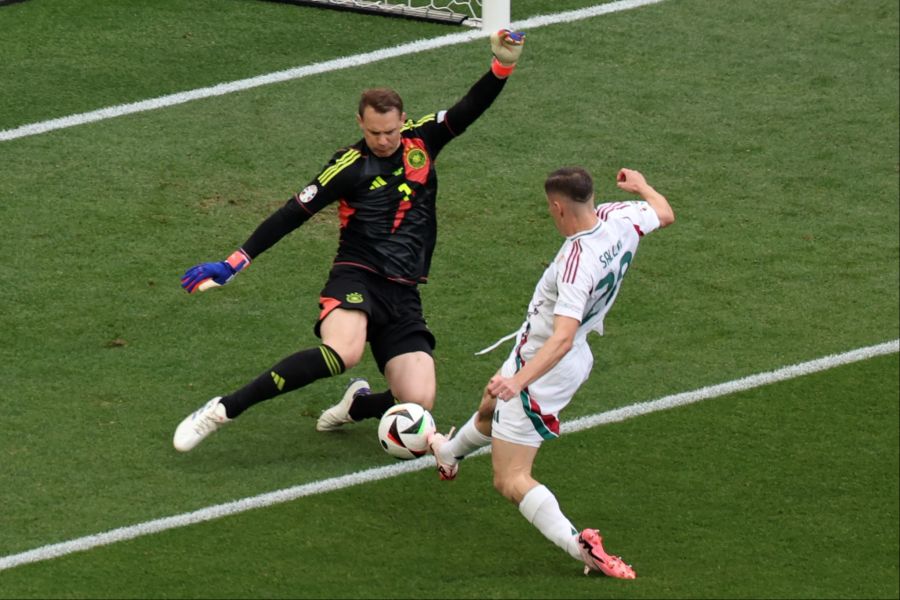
[
  {"x": 369, "y": 475},
  {"x": 347, "y": 62}
]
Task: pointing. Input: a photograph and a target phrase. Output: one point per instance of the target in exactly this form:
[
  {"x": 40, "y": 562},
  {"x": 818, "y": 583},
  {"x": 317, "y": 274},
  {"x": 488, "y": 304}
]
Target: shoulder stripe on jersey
[
  {"x": 426, "y": 119},
  {"x": 409, "y": 123},
  {"x": 343, "y": 162},
  {"x": 604, "y": 210},
  {"x": 572, "y": 263}
]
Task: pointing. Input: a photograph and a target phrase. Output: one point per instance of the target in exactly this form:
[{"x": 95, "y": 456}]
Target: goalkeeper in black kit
[{"x": 386, "y": 188}]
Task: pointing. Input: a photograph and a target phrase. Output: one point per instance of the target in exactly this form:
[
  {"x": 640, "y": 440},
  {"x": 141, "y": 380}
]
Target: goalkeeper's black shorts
[{"x": 396, "y": 325}]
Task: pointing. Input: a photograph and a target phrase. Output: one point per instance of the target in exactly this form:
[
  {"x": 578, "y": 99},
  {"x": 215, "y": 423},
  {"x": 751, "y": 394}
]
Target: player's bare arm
[
  {"x": 556, "y": 346},
  {"x": 634, "y": 182}
]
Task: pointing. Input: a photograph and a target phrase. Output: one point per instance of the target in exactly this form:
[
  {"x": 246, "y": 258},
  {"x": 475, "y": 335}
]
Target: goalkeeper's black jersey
[{"x": 386, "y": 205}]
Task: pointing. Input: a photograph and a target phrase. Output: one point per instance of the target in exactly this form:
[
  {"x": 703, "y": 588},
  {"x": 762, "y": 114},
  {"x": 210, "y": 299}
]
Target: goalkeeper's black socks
[
  {"x": 371, "y": 406},
  {"x": 290, "y": 374}
]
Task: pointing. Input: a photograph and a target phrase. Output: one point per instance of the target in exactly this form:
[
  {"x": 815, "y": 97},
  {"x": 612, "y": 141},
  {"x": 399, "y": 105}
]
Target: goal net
[{"x": 494, "y": 13}]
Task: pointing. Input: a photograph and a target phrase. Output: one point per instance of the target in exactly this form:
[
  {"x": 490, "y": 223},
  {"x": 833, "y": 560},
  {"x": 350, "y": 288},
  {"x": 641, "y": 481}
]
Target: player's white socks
[
  {"x": 466, "y": 441},
  {"x": 541, "y": 509}
]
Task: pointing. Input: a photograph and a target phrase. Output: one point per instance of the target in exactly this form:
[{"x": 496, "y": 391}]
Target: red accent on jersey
[
  {"x": 417, "y": 168},
  {"x": 345, "y": 211},
  {"x": 405, "y": 205},
  {"x": 521, "y": 345},
  {"x": 639, "y": 232},
  {"x": 572, "y": 263},
  {"x": 605, "y": 209}
]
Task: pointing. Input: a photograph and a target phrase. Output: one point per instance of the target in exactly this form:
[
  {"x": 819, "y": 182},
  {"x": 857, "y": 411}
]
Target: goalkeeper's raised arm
[{"x": 506, "y": 47}]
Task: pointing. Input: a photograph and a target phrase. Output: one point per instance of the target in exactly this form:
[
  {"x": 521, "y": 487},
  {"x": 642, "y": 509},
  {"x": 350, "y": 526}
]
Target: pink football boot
[{"x": 596, "y": 559}]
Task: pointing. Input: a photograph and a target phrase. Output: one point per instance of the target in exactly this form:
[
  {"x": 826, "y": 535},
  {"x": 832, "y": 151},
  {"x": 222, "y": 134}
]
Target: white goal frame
[{"x": 489, "y": 15}]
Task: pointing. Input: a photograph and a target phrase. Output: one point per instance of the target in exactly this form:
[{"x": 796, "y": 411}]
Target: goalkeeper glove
[
  {"x": 206, "y": 275},
  {"x": 507, "y": 48}
]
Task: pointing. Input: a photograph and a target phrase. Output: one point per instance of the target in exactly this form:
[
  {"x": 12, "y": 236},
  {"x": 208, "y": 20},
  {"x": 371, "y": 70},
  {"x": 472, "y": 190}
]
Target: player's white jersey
[{"x": 584, "y": 278}]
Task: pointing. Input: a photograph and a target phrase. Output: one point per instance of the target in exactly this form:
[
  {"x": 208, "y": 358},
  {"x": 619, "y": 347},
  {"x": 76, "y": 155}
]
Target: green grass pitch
[{"x": 772, "y": 127}]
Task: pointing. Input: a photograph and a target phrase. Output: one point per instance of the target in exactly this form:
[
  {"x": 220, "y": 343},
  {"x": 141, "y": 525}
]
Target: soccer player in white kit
[{"x": 551, "y": 359}]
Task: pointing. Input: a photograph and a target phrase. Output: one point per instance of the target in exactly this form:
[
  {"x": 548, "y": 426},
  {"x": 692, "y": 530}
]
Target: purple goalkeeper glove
[{"x": 206, "y": 275}]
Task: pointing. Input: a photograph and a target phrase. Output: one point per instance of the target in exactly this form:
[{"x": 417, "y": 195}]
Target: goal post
[
  {"x": 495, "y": 14},
  {"x": 489, "y": 15}
]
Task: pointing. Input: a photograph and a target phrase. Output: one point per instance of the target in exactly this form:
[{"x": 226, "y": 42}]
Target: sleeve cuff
[
  {"x": 501, "y": 70},
  {"x": 238, "y": 260}
]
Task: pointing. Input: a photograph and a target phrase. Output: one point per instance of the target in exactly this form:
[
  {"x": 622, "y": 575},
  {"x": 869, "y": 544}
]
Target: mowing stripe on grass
[
  {"x": 337, "y": 483},
  {"x": 313, "y": 69}
]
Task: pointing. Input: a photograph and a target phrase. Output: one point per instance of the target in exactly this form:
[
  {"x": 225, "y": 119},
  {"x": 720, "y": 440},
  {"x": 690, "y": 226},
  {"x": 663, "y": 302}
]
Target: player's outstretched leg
[
  {"x": 338, "y": 415},
  {"x": 199, "y": 424},
  {"x": 596, "y": 559}
]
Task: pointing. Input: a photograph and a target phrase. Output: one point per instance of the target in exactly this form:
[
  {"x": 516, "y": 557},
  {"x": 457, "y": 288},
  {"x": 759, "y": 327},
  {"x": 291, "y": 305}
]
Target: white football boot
[
  {"x": 338, "y": 415},
  {"x": 199, "y": 424},
  {"x": 447, "y": 464}
]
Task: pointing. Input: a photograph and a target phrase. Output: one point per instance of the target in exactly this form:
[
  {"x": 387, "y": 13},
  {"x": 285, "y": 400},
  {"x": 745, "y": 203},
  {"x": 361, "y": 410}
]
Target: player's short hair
[
  {"x": 382, "y": 100},
  {"x": 574, "y": 183}
]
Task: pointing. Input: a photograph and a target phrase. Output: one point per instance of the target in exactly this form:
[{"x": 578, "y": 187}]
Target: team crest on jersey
[
  {"x": 415, "y": 160},
  {"x": 308, "y": 193},
  {"x": 354, "y": 297}
]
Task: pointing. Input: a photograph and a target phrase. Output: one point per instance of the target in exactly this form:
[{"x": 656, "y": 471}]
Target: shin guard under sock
[{"x": 291, "y": 373}]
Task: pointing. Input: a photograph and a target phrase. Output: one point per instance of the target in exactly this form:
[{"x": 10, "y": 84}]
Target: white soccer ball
[{"x": 404, "y": 431}]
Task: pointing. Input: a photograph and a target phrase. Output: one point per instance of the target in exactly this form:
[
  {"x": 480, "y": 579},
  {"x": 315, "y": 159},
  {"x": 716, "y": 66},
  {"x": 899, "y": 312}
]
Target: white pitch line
[
  {"x": 738, "y": 385},
  {"x": 337, "y": 64},
  {"x": 338, "y": 483}
]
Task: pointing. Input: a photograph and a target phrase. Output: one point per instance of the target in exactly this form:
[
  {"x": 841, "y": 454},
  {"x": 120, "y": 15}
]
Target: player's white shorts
[{"x": 533, "y": 416}]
